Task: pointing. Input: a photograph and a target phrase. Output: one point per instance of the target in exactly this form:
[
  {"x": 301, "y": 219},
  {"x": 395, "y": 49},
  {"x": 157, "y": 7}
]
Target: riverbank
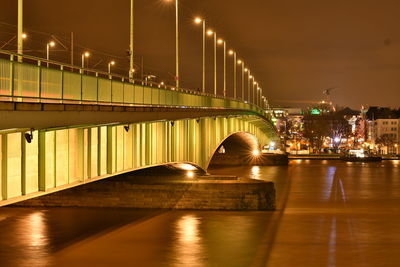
[{"x": 332, "y": 157}]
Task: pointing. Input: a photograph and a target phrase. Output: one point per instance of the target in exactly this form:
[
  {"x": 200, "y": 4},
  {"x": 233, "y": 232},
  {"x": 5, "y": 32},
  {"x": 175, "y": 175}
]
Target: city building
[{"x": 383, "y": 130}]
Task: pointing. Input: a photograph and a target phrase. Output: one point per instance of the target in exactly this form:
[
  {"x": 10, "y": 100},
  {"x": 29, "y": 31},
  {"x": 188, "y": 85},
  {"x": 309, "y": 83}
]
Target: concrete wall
[
  {"x": 240, "y": 159},
  {"x": 242, "y": 194}
]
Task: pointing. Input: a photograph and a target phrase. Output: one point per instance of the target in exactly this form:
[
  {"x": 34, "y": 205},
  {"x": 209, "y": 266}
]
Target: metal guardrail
[{"x": 31, "y": 79}]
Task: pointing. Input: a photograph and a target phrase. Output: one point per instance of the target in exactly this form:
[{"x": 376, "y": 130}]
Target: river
[{"x": 329, "y": 213}]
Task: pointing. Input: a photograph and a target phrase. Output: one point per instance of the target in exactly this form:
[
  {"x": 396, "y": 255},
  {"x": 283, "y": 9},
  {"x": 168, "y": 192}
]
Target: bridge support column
[
  {"x": 3, "y": 166},
  {"x": 11, "y": 182},
  {"x": 110, "y": 149},
  {"x": 87, "y": 151}
]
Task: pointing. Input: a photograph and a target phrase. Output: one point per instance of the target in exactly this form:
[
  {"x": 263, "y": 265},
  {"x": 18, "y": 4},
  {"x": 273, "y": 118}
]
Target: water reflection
[
  {"x": 188, "y": 246},
  {"x": 32, "y": 235},
  {"x": 37, "y": 230},
  {"x": 332, "y": 244},
  {"x": 337, "y": 214},
  {"x": 330, "y": 175},
  {"x": 255, "y": 172}
]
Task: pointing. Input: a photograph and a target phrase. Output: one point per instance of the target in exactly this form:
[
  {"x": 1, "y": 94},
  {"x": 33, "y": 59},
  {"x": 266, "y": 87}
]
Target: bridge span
[{"x": 62, "y": 126}]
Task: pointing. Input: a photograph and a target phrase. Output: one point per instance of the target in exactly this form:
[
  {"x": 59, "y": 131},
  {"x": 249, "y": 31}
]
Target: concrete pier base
[{"x": 203, "y": 193}]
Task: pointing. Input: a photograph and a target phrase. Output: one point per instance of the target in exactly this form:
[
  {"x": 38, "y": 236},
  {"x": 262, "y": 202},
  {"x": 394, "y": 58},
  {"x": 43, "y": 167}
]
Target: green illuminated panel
[
  {"x": 129, "y": 93},
  {"x": 104, "y": 90},
  {"x": 117, "y": 92},
  {"x": 5, "y": 77},
  {"x": 89, "y": 88},
  {"x": 72, "y": 86},
  {"x": 26, "y": 80},
  {"x": 14, "y": 165}
]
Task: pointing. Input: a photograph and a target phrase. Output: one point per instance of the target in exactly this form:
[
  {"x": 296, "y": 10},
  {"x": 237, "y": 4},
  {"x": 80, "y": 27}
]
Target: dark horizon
[{"x": 296, "y": 50}]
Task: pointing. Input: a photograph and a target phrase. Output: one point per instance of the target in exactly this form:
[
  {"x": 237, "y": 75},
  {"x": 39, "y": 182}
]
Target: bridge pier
[{"x": 203, "y": 193}]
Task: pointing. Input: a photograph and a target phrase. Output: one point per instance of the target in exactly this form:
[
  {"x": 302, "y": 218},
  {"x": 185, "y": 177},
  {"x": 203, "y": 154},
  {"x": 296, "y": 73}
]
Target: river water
[{"x": 329, "y": 213}]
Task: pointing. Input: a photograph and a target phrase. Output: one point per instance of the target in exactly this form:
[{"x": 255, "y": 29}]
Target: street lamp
[
  {"x": 240, "y": 62},
  {"x": 20, "y": 29},
  {"x": 111, "y": 63},
  {"x": 220, "y": 41},
  {"x": 233, "y": 53},
  {"x": 50, "y": 44},
  {"x": 254, "y": 92},
  {"x": 246, "y": 70},
  {"x": 131, "y": 69},
  {"x": 251, "y": 77},
  {"x": 210, "y": 33},
  {"x": 84, "y": 55},
  {"x": 199, "y": 20},
  {"x": 176, "y": 42}
]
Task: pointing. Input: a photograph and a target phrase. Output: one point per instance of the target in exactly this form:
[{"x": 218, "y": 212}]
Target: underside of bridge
[
  {"x": 48, "y": 160},
  {"x": 236, "y": 149}
]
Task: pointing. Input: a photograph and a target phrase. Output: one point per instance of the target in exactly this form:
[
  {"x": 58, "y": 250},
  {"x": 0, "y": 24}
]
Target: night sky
[{"x": 294, "y": 48}]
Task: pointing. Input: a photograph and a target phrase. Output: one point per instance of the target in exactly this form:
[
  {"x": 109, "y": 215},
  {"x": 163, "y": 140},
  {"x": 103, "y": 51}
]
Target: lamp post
[
  {"x": 240, "y": 62},
  {"x": 246, "y": 70},
  {"x": 203, "y": 21},
  {"x": 251, "y": 77},
  {"x": 49, "y": 44},
  {"x": 210, "y": 33},
  {"x": 111, "y": 63},
  {"x": 255, "y": 92},
  {"x": 177, "y": 43},
  {"x": 20, "y": 29},
  {"x": 233, "y": 53},
  {"x": 84, "y": 55},
  {"x": 131, "y": 41},
  {"x": 220, "y": 41}
]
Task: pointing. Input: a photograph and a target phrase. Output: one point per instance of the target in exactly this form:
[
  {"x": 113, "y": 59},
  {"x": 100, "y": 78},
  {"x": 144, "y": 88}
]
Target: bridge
[{"x": 62, "y": 126}]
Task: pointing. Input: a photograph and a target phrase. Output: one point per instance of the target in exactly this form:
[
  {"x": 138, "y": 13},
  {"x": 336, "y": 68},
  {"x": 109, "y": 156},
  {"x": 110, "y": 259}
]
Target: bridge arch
[
  {"x": 238, "y": 143},
  {"x": 60, "y": 158}
]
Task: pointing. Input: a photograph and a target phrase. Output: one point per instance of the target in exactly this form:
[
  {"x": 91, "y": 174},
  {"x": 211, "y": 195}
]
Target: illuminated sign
[{"x": 315, "y": 111}]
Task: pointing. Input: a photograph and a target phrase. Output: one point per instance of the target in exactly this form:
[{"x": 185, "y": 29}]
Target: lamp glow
[
  {"x": 198, "y": 20},
  {"x": 190, "y": 174}
]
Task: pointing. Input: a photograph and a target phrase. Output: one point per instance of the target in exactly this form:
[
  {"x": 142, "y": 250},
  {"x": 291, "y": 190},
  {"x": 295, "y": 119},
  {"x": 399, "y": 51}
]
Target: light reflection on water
[
  {"x": 31, "y": 232},
  {"x": 188, "y": 249},
  {"x": 255, "y": 172},
  {"x": 37, "y": 230}
]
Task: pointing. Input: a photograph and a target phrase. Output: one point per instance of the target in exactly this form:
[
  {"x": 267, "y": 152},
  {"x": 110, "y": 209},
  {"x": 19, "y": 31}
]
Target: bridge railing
[{"x": 31, "y": 79}]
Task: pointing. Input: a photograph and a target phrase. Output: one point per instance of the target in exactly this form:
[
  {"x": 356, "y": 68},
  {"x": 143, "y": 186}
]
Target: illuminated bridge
[{"x": 61, "y": 126}]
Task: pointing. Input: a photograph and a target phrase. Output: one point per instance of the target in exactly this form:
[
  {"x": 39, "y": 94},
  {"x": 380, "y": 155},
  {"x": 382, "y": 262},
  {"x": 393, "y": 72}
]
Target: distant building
[{"x": 383, "y": 130}]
